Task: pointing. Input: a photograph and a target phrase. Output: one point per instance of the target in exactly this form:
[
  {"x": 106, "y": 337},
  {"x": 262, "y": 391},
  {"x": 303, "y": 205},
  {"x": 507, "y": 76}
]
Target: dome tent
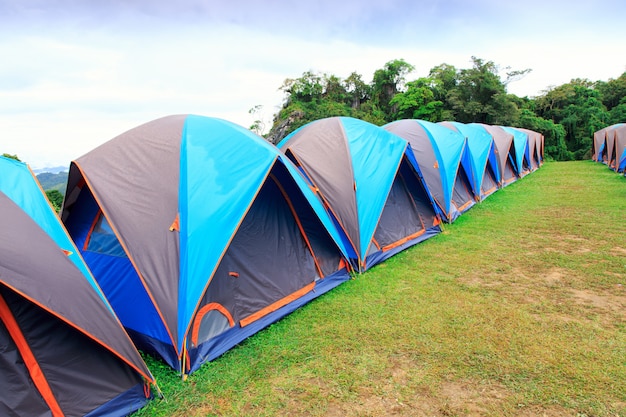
[
  {"x": 444, "y": 159},
  {"x": 63, "y": 350},
  {"x": 483, "y": 156},
  {"x": 505, "y": 151},
  {"x": 522, "y": 150},
  {"x": 200, "y": 233},
  {"x": 370, "y": 183}
]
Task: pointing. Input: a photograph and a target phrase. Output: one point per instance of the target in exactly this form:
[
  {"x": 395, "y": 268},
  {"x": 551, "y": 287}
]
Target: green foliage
[
  {"x": 417, "y": 102},
  {"x": 480, "y": 96},
  {"x": 612, "y": 91},
  {"x": 554, "y": 135},
  {"x": 566, "y": 115},
  {"x": 55, "y": 198},
  {"x": 578, "y": 108},
  {"x": 6, "y": 155},
  {"x": 387, "y": 82},
  {"x": 50, "y": 181}
]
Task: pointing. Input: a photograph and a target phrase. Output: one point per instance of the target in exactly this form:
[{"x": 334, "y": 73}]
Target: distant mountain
[
  {"x": 51, "y": 170},
  {"x": 53, "y": 181}
]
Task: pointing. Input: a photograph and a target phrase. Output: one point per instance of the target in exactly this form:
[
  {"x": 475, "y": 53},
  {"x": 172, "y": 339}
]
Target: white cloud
[{"x": 74, "y": 77}]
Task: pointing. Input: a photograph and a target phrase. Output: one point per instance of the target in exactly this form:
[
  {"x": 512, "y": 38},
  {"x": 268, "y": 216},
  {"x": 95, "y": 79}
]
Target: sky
[{"x": 76, "y": 73}]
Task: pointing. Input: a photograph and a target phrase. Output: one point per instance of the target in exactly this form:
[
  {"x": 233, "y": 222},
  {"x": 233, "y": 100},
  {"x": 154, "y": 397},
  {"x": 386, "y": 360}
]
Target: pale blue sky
[{"x": 76, "y": 73}]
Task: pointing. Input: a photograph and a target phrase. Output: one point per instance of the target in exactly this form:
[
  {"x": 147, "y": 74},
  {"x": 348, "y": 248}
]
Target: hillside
[{"x": 53, "y": 181}]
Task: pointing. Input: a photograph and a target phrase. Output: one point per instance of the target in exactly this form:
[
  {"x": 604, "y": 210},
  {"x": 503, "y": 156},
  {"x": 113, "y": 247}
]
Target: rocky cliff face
[{"x": 282, "y": 128}]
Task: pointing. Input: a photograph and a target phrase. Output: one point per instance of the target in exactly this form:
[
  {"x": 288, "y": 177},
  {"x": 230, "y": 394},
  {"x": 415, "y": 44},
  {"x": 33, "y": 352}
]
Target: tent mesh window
[{"x": 102, "y": 239}]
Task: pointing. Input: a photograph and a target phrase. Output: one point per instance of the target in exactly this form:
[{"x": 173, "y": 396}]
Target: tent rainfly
[
  {"x": 63, "y": 352},
  {"x": 522, "y": 150},
  {"x": 445, "y": 162},
  {"x": 616, "y": 140},
  {"x": 598, "y": 146},
  {"x": 483, "y": 157},
  {"x": 200, "y": 233},
  {"x": 505, "y": 151},
  {"x": 370, "y": 183},
  {"x": 535, "y": 146}
]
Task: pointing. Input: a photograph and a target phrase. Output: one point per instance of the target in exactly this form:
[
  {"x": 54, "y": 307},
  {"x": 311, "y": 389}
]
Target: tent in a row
[
  {"x": 200, "y": 234},
  {"x": 609, "y": 146},
  {"x": 63, "y": 352},
  {"x": 484, "y": 158},
  {"x": 444, "y": 158},
  {"x": 370, "y": 183}
]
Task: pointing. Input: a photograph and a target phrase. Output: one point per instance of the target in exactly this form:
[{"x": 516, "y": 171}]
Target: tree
[
  {"x": 6, "y": 155},
  {"x": 554, "y": 135},
  {"x": 578, "y": 108},
  {"x": 258, "y": 126},
  {"x": 55, "y": 198},
  {"x": 612, "y": 92},
  {"x": 357, "y": 90},
  {"x": 417, "y": 102},
  {"x": 480, "y": 96},
  {"x": 387, "y": 82}
]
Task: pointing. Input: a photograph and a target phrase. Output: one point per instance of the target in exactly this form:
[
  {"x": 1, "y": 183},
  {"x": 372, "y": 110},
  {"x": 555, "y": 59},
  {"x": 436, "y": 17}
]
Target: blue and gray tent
[
  {"x": 505, "y": 150},
  {"x": 370, "y": 183},
  {"x": 200, "y": 234},
  {"x": 598, "y": 145},
  {"x": 445, "y": 162},
  {"x": 535, "y": 147},
  {"x": 483, "y": 157},
  {"x": 522, "y": 150},
  {"x": 63, "y": 351},
  {"x": 616, "y": 146}
]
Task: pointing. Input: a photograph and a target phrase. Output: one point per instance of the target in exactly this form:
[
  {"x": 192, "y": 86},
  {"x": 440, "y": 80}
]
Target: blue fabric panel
[
  {"x": 621, "y": 162},
  {"x": 218, "y": 345},
  {"x": 223, "y": 166},
  {"x": 480, "y": 144},
  {"x": 19, "y": 184},
  {"x": 493, "y": 160},
  {"x": 115, "y": 275},
  {"x": 520, "y": 143},
  {"x": 126, "y": 293},
  {"x": 376, "y": 155},
  {"x": 157, "y": 348},
  {"x": 413, "y": 161},
  {"x": 124, "y": 404},
  {"x": 448, "y": 147}
]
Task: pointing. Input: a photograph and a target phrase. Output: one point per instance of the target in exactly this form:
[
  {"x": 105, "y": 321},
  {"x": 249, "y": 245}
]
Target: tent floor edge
[{"x": 217, "y": 346}]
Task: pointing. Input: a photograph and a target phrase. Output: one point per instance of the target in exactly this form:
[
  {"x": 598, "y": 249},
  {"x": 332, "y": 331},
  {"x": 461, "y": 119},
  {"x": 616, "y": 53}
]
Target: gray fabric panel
[
  {"x": 32, "y": 263},
  {"x": 598, "y": 139},
  {"x": 322, "y": 150},
  {"x": 417, "y": 189},
  {"x": 135, "y": 177},
  {"x": 268, "y": 255},
  {"x": 462, "y": 192},
  {"x": 489, "y": 179},
  {"x": 503, "y": 142},
  {"x": 81, "y": 373},
  {"x": 212, "y": 324},
  {"x": 422, "y": 147},
  {"x": 400, "y": 217},
  {"x": 19, "y": 396},
  {"x": 324, "y": 247}
]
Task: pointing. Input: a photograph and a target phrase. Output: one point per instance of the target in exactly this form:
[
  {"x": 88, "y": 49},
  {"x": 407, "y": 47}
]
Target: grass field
[{"x": 516, "y": 309}]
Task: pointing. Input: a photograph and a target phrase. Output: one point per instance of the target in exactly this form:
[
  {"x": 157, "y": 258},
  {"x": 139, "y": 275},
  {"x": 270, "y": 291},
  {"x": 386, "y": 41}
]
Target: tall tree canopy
[{"x": 566, "y": 115}]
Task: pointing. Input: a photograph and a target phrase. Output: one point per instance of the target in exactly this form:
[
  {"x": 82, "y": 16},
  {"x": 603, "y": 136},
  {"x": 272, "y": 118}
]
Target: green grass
[{"x": 517, "y": 309}]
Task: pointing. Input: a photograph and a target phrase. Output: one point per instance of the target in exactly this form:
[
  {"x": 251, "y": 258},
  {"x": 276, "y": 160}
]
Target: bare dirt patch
[{"x": 614, "y": 303}]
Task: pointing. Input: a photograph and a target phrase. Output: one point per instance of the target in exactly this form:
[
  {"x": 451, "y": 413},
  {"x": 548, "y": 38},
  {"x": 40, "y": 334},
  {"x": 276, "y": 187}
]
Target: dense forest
[{"x": 566, "y": 115}]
